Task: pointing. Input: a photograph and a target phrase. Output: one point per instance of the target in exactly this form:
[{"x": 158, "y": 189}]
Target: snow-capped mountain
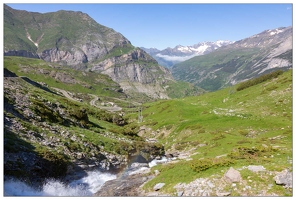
[
  {"x": 245, "y": 59},
  {"x": 170, "y": 56}
]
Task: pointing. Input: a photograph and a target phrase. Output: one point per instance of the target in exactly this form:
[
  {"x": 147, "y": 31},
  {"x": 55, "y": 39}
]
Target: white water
[
  {"x": 162, "y": 160},
  {"x": 85, "y": 186}
]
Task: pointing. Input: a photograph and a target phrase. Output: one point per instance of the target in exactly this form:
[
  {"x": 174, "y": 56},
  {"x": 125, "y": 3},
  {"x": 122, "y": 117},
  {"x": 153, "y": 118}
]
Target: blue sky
[{"x": 168, "y": 25}]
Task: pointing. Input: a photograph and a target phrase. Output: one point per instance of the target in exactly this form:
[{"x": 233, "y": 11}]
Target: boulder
[
  {"x": 158, "y": 186},
  {"x": 232, "y": 176},
  {"x": 285, "y": 178}
]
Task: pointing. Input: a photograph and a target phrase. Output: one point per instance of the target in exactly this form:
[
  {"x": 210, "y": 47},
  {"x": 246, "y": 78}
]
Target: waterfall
[{"x": 85, "y": 186}]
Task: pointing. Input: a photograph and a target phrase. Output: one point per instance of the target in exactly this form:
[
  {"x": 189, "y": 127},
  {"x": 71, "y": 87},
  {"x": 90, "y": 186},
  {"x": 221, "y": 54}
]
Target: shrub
[
  {"x": 250, "y": 153},
  {"x": 204, "y": 164},
  {"x": 258, "y": 80},
  {"x": 80, "y": 115}
]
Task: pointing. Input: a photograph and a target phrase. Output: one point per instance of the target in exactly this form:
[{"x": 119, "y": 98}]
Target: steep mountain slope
[
  {"x": 59, "y": 123},
  {"x": 170, "y": 56},
  {"x": 76, "y": 40},
  {"x": 242, "y": 60}
]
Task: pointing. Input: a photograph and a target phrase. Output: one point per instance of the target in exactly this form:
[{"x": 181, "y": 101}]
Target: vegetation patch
[{"x": 260, "y": 79}]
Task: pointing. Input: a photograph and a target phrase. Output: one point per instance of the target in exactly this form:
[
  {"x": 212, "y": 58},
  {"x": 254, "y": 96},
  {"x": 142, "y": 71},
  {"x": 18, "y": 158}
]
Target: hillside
[
  {"x": 210, "y": 133},
  {"x": 80, "y": 98},
  {"x": 73, "y": 39},
  {"x": 57, "y": 117},
  {"x": 245, "y": 59}
]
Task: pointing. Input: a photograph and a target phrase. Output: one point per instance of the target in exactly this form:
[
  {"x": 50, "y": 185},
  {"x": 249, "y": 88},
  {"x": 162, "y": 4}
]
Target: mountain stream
[{"x": 86, "y": 186}]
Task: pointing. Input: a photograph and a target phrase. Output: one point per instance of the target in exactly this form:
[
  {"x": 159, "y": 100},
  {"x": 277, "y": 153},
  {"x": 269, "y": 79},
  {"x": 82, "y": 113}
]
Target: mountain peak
[{"x": 170, "y": 56}]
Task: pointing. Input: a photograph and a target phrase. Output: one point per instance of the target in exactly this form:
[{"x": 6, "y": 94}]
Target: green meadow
[{"x": 225, "y": 128}]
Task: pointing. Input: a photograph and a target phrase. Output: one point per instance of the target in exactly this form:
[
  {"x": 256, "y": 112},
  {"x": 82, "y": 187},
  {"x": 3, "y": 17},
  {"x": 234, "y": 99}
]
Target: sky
[{"x": 162, "y": 25}]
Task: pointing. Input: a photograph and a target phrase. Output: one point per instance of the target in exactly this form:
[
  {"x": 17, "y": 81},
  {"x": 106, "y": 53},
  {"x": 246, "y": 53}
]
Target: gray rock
[
  {"x": 284, "y": 178},
  {"x": 223, "y": 194},
  {"x": 256, "y": 168},
  {"x": 232, "y": 176},
  {"x": 138, "y": 165},
  {"x": 158, "y": 186},
  {"x": 180, "y": 193},
  {"x": 123, "y": 186}
]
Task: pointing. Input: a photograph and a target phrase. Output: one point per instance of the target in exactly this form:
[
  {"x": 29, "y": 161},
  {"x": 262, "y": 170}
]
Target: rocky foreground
[{"x": 231, "y": 183}]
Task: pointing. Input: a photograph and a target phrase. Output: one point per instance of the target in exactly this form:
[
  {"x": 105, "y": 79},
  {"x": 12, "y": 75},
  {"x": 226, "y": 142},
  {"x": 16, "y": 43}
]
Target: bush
[
  {"x": 204, "y": 164},
  {"x": 258, "y": 80},
  {"x": 250, "y": 153},
  {"x": 80, "y": 115}
]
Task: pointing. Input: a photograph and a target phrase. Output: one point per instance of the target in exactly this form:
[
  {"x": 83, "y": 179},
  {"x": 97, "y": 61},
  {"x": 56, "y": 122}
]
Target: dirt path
[
  {"x": 65, "y": 93},
  {"x": 111, "y": 109},
  {"x": 94, "y": 100}
]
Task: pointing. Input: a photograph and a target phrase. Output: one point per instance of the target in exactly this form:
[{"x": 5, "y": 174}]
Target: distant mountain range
[
  {"x": 171, "y": 56},
  {"x": 242, "y": 60}
]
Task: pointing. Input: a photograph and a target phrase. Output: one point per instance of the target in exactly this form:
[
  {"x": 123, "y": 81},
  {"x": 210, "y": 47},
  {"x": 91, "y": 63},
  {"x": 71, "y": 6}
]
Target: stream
[{"x": 86, "y": 186}]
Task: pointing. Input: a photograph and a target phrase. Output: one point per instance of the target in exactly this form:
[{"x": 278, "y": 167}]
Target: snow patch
[{"x": 276, "y": 31}]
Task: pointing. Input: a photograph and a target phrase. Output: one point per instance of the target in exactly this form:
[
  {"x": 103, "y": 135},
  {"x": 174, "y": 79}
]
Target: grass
[
  {"x": 41, "y": 71},
  {"x": 250, "y": 126},
  {"x": 230, "y": 124},
  {"x": 73, "y": 127}
]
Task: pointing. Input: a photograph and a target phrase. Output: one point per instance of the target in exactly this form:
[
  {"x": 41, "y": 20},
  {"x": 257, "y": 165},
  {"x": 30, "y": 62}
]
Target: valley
[{"x": 89, "y": 114}]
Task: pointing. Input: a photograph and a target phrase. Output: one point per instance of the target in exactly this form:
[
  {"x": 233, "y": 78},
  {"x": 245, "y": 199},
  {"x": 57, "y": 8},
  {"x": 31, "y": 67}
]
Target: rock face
[
  {"x": 76, "y": 40},
  {"x": 136, "y": 72}
]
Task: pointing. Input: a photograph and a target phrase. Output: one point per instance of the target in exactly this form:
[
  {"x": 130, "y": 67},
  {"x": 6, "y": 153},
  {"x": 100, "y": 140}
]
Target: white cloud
[{"x": 174, "y": 58}]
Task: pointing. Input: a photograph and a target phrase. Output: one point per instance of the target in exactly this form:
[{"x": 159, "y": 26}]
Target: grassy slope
[
  {"x": 100, "y": 131},
  {"x": 230, "y": 61},
  {"x": 225, "y": 120},
  {"x": 100, "y": 84}
]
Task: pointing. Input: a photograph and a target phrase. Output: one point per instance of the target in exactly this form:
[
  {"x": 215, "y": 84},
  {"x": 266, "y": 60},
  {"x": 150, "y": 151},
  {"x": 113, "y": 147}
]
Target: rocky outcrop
[
  {"x": 284, "y": 178},
  {"x": 124, "y": 186},
  {"x": 136, "y": 72}
]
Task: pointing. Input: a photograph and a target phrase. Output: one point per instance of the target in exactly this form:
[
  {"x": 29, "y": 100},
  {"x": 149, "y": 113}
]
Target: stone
[
  {"x": 232, "y": 176},
  {"x": 123, "y": 186},
  {"x": 158, "y": 186},
  {"x": 223, "y": 194},
  {"x": 180, "y": 193},
  {"x": 256, "y": 168},
  {"x": 285, "y": 178}
]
